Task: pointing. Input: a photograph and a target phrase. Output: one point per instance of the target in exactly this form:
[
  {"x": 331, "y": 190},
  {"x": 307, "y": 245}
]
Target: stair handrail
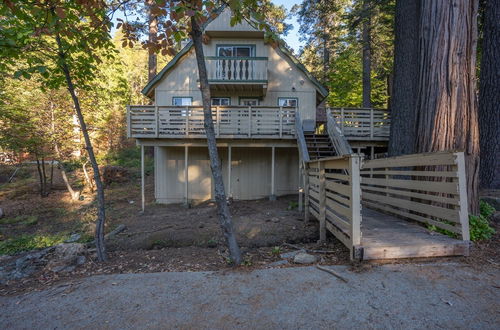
[
  {"x": 301, "y": 140},
  {"x": 342, "y": 147}
]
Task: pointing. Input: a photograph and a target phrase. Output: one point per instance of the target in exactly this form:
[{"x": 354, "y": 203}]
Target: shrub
[
  {"x": 479, "y": 225},
  {"x": 30, "y": 242},
  {"x": 129, "y": 158}
]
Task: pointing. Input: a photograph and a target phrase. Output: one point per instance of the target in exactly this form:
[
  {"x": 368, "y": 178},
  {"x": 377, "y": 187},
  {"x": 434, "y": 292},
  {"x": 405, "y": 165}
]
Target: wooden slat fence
[
  {"x": 229, "y": 122},
  {"x": 362, "y": 123},
  {"x": 334, "y": 197},
  {"x": 428, "y": 188}
]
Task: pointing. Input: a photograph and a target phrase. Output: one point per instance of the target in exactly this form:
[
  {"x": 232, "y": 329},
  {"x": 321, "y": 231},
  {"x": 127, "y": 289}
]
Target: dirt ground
[
  {"x": 164, "y": 237},
  {"x": 170, "y": 238}
]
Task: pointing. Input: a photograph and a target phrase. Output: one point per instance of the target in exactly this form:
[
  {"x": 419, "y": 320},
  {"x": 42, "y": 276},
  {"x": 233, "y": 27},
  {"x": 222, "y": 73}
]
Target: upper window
[
  {"x": 249, "y": 101},
  {"x": 236, "y": 51},
  {"x": 221, "y": 101},
  {"x": 182, "y": 101},
  {"x": 288, "y": 102}
]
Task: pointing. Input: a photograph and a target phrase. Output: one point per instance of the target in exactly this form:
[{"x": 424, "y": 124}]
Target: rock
[
  {"x": 1, "y": 213},
  {"x": 495, "y": 218},
  {"x": 66, "y": 257},
  {"x": 278, "y": 263},
  {"x": 24, "y": 266},
  {"x": 493, "y": 201},
  {"x": 292, "y": 254},
  {"x": 73, "y": 238},
  {"x": 304, "y": 258},
  {"x": 80, "y": 260},
  {"x": 68, "y": 250},
  {"x": 275, "y": 220}
]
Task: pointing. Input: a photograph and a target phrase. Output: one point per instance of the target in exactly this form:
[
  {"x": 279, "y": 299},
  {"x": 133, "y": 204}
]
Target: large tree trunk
[
  {"x": 489, "y": 98},
  {"x": 153, "y": 30},
  {"x": 225, "y": 220},
  {"x": 367, "y": 57},
  {"x": 446, "y": 106},
  {"x": 101, "y": 214},
  {"x": 404, "y": 85}
]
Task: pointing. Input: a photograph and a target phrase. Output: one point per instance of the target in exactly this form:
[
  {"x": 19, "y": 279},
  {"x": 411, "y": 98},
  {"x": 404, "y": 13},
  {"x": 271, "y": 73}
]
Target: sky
[{"x": 292, "y": 39}]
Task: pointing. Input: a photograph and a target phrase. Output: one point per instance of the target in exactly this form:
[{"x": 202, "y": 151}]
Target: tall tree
[
  {"x": 367, "y": 57},
  {"x": 59, "y": 39},
  {"x": 446, "y": 108},
  {"x": 405, "y": 84},
  {"x": 152, "y": 35},
  {"x": 489, "y": 97}
]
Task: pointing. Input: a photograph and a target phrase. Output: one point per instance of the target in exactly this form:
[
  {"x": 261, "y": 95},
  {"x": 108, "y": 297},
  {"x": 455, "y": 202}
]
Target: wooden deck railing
[
  {"x": 236, "y": 69},
  {"x": 148, "y": 121},
  {"x": 334, "y": 197},
  {"x": 428, "y": 188},
  {"x": 362, "y": 123},
  {"x": 339, "y": 141}
]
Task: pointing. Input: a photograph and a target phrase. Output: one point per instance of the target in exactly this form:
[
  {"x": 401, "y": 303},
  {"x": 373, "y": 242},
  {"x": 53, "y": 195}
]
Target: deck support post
[
  {"x": 306, "y": 193},
  {"x": 272, "y": 197},
  {"x": 143, "y": 198},
  {"x": 186, "y": 176},
  {"x": 322, "y": 202},
  {"x": 229, "y": 160},
  {"x": 301, "y": 188}
]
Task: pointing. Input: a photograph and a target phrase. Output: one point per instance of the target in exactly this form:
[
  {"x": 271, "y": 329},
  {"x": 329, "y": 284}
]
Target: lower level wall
[{"x": 250, "y": 173}]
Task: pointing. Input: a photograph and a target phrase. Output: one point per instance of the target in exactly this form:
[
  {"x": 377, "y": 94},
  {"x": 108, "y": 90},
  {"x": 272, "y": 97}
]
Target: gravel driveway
[{"x": 404, "y": 296}]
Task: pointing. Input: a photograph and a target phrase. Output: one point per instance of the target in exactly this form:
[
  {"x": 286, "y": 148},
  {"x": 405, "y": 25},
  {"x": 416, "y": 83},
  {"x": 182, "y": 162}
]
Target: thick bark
[
  {"x": 152, "y": 31},
  {"x": 489, "y": 98},
  {"x": 101, "y": 215},
  {"x": 446, "y": 106},
  {"x": 405, "y": 84},
  {"x": 41, "y": 176},
  {"x": 225, "y": 220},
  {"x": 367, "y": 57},
  {"x": 326, "y": 59}
]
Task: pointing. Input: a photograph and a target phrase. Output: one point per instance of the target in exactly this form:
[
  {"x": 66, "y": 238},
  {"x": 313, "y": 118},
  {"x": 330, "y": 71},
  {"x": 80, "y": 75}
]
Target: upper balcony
[
  {"x": 363, "y": 124},
  {"x": 231, "y": 122},
  {"x": 227, "y": 73}
]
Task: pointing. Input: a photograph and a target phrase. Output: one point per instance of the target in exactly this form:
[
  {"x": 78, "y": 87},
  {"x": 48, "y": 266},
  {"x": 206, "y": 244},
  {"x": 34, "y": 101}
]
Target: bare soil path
[{"x": 403, "y": 296}]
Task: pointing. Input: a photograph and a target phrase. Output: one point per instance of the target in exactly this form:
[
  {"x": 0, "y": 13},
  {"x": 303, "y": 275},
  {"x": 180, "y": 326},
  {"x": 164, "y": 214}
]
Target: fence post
[
  {"x": 249, "y": 121},
  {"x": 306, "y": 193},
  {"x": 462, "y": 190},
  {"x": 322, "y": 201},
  {"x": 129, "y": 128},
  {"x": 217, "y": 118},
  {"x": 371, "y": 123},
  {"x": 354, "y": 167},
  {"x": 342, "y": 120},
  {"x": 157, "y": 120},
  {"x": 281, "y": 121},
  {"x": 187, "y": 120}
]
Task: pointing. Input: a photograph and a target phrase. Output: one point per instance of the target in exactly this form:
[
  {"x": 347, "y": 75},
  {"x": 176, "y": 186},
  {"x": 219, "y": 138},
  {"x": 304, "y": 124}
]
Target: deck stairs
[{"x": 319, "y": 146}]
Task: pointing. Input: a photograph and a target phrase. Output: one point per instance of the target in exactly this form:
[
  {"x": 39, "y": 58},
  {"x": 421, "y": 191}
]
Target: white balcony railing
[
  {"x": 236, "y": 69},
  {"x": 362, "y": 123},
  {"x": 149, "y": 121}
]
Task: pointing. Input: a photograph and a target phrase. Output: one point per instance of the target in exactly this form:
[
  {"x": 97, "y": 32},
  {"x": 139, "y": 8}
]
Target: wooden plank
[
  {"x": 337, "y": 176},
  {"x": 431, "y": 210},
  {"x": 434, "y": 198},
  {"x": 439, "y": 187},
  {"x": 425, "y": 159},
  {"x": 339, "y": 188},
  {"x": 404, "y": 214},
  {"x": 443, "y": 174},
  {"x": 415, "y": 251},
  {"x": 339, "y": 198},
  {"x": 339, "y": 222},
  {"x": 339, "y": 235},
  {"x": 345, "y": 211},
  {"x": 322, "y": 202}
]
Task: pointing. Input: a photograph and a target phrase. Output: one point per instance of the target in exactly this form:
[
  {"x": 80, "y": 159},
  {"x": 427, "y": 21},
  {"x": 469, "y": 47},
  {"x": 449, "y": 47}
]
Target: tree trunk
[
  {"x": 367, "y": 60},
  {"x": 153, "y": 30},
  {"x": 225, "y": 220},
  {"x": 446, "y": 106},
  {"x": 405, "y": 85},
  {"x": 101, "y": 214},
  {"x": 326, "y": 59},
  {"x": 489, "y": 98},
  {"x": 40, "y": 175}
]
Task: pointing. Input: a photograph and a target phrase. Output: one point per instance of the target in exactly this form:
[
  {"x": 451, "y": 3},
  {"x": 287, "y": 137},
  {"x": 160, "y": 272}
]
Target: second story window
[
  {"x": 180, "y": 101},
  {"x": 221, "y": 101},
  {"x": 235, "y": 51},
  {"x": 288, "y": 102}
]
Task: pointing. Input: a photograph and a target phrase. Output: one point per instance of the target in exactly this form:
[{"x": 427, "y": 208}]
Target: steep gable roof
[{"x": 149, "y": 88}]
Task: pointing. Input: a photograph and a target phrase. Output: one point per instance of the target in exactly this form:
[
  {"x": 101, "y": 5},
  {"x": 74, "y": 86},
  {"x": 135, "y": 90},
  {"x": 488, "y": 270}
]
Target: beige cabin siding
[
  {"x": 223, "y": 23},
  {"x": 283, "y": 78},
  {"x": 250, "y": 173}
]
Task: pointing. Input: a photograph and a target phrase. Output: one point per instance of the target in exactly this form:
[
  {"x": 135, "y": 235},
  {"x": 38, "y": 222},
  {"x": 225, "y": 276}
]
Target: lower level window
[
  {"x": 221, "y": 101},
  {"x": 288, "y": 102},
  {"x": 179, "y": 101}
]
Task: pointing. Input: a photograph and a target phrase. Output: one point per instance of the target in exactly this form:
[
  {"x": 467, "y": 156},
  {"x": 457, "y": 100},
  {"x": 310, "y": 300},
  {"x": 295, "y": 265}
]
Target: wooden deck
[{"x": 388, "y": 237}]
